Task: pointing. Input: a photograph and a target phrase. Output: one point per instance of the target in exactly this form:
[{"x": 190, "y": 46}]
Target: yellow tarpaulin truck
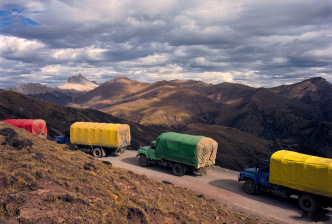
[
  {"x": 98, "y": 138},
  {"x": 291, "y": 173}
]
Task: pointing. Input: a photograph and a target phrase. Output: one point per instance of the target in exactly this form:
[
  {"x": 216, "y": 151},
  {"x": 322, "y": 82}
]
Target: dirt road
[{"x": 222, "y": 185}]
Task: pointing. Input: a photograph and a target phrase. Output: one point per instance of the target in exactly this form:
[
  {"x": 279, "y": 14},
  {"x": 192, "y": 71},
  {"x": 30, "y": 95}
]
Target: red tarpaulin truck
[{"x": 35, "y": 126}]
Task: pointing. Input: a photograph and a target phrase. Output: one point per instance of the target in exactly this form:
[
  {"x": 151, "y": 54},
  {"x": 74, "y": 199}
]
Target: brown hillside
[
  {"x": 112, "y": 91},
  {"x": 226, "y": 92},
  {"x": 58, "y": 117},
  {"x": 284, "y": 121},
  {"x": 168, "y": 107},
  {"x": 315, "y": 92},
  {"x": 297, "y": 115},
  {"x": 44, "y": 182},
  {"x": 236, "y": 149}
]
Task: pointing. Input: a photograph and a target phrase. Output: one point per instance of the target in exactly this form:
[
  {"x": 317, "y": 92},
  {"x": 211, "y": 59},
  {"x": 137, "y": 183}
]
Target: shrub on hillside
[
  {"x": 8, "y": 132},
  {"x": 11, "y": 139}
]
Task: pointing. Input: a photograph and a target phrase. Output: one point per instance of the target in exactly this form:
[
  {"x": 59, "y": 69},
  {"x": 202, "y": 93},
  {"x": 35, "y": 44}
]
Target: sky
[{"x": 258, "y": 43}]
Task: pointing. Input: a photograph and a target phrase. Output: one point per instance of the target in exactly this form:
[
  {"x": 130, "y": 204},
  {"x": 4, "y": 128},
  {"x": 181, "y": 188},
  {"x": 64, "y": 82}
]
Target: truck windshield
[{"x": 265, "y": 168}]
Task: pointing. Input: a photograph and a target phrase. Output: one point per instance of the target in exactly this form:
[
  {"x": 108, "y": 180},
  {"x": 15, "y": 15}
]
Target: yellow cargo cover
[
  {"x": 100, "y": 134},
  {"x": 302, "y": 172}
]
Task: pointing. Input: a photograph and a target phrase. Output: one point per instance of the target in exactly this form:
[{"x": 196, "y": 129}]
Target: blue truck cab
[
  {"x": 63, "y": 139},
  {"x": 256, "y": 178}
]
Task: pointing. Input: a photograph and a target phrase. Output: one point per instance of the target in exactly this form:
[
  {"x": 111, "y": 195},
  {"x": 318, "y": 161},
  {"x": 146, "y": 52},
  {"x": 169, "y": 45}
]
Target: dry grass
[{"x": 44, "y": 182}]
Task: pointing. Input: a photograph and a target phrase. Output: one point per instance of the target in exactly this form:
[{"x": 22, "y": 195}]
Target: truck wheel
[
  {"x": 308, "y": 203},
  {"x": 177, "y": 169},
  {"x": 143, "y": 161},
  {"x": 249, "y": 186},
  {"x": 122, "y": 150},
  {"x": 96, "y": 152}
]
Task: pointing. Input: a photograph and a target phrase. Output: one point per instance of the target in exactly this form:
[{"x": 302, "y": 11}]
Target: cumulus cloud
[{"x": 259, "y": 43}]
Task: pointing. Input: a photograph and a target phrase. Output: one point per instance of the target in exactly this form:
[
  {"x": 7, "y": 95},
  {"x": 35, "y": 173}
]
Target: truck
[
  {"x": 63, "y": 139},
  {"x": 181, "y": 152},
  {"x": 97, "y": 138},
  {"x": 287, "y": 173},
  {"x": 34, "y": 126}
]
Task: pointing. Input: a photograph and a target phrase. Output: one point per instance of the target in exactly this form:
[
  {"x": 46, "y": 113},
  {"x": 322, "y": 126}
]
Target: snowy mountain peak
[{"x": 79, "y": 83}]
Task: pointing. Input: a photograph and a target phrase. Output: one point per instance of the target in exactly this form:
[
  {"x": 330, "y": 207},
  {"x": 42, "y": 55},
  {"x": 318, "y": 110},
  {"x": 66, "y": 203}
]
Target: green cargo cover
[{"x": 197, "y": 151}]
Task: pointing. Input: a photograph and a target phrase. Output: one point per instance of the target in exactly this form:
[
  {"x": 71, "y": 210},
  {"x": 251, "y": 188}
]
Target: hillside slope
[
  {"x": 297, "y": 116},
  {"x": 236, "y": 149},
  {"x": 44, "y": 182},
  {"x": 286, "y": 122},
  {"x": 316, "y": 92},
  {"x": 111, "y": 92},
  {"x": 58, "y": 117}
]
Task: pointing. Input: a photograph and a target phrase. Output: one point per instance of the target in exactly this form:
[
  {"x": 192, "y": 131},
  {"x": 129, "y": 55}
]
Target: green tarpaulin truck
[{"x": 182, "y": 152}]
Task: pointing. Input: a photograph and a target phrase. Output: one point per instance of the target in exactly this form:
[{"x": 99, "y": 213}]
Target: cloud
[{"x": 261, "y": 43}]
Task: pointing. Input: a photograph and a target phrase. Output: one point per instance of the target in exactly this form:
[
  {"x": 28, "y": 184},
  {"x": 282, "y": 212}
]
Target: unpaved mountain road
[{"x": 222, "y": 185}]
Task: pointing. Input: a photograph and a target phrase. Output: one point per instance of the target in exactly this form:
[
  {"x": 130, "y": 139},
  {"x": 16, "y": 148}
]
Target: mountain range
[
  {"x": 296, "y": 117},
  {"x": 232, "y": 142},
  {"x": 63, "y": 94}
]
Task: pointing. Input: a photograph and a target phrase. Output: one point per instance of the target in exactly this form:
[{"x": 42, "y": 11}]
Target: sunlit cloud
[{"x": 257, "y": 43}]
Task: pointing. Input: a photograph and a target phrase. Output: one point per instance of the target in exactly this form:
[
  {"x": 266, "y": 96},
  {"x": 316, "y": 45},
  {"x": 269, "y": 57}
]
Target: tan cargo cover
[
  {"x": 100, "y": 134},
  {"x": 206, "y": 152}
]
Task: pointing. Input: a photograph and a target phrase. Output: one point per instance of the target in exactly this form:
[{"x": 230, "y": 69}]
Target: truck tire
[
  {"x": 96, "y": 152},
  {"x": 177, "y": 169},
  {"x": 143, "y": 161},
  {"x": 122, "y": 150},
  {"x": 249, "y": 186},
  {"x": 308, "y": 203}
]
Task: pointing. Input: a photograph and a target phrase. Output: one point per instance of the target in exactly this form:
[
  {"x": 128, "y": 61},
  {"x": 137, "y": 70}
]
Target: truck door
[
  {"x": 263, "y": 178},
  {"x": 66, "y": 138}
]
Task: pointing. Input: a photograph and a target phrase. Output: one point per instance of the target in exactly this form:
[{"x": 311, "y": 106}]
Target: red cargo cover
[{"x": 35, "y": 126}]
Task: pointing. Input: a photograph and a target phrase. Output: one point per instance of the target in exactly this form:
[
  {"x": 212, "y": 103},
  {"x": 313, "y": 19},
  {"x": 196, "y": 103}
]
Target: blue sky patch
[{"x": 11, "y": 16}]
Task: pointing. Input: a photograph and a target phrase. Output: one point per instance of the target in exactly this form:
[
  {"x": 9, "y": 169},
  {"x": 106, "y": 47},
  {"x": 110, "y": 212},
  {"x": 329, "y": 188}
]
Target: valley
[{"x": 248, "y": 123}]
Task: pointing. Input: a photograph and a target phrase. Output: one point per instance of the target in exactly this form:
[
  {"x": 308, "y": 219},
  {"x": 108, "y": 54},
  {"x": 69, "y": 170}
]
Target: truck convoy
[
  {"x": 181, "y": 152},
  {"x": 290, "y": 173},
  {"x": 35, "y": 126},
  {"x": 97, "y": 138}
]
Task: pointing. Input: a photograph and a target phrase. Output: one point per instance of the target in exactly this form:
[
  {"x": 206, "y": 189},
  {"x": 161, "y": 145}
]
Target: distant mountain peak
[
  {"x": 120, "y": 78},
  {"x": 30, "y": 88},
  {"x": 79, "y": 83},
  {"x": 80, "y": 79},
  {"x": 317, "y": 80}
]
